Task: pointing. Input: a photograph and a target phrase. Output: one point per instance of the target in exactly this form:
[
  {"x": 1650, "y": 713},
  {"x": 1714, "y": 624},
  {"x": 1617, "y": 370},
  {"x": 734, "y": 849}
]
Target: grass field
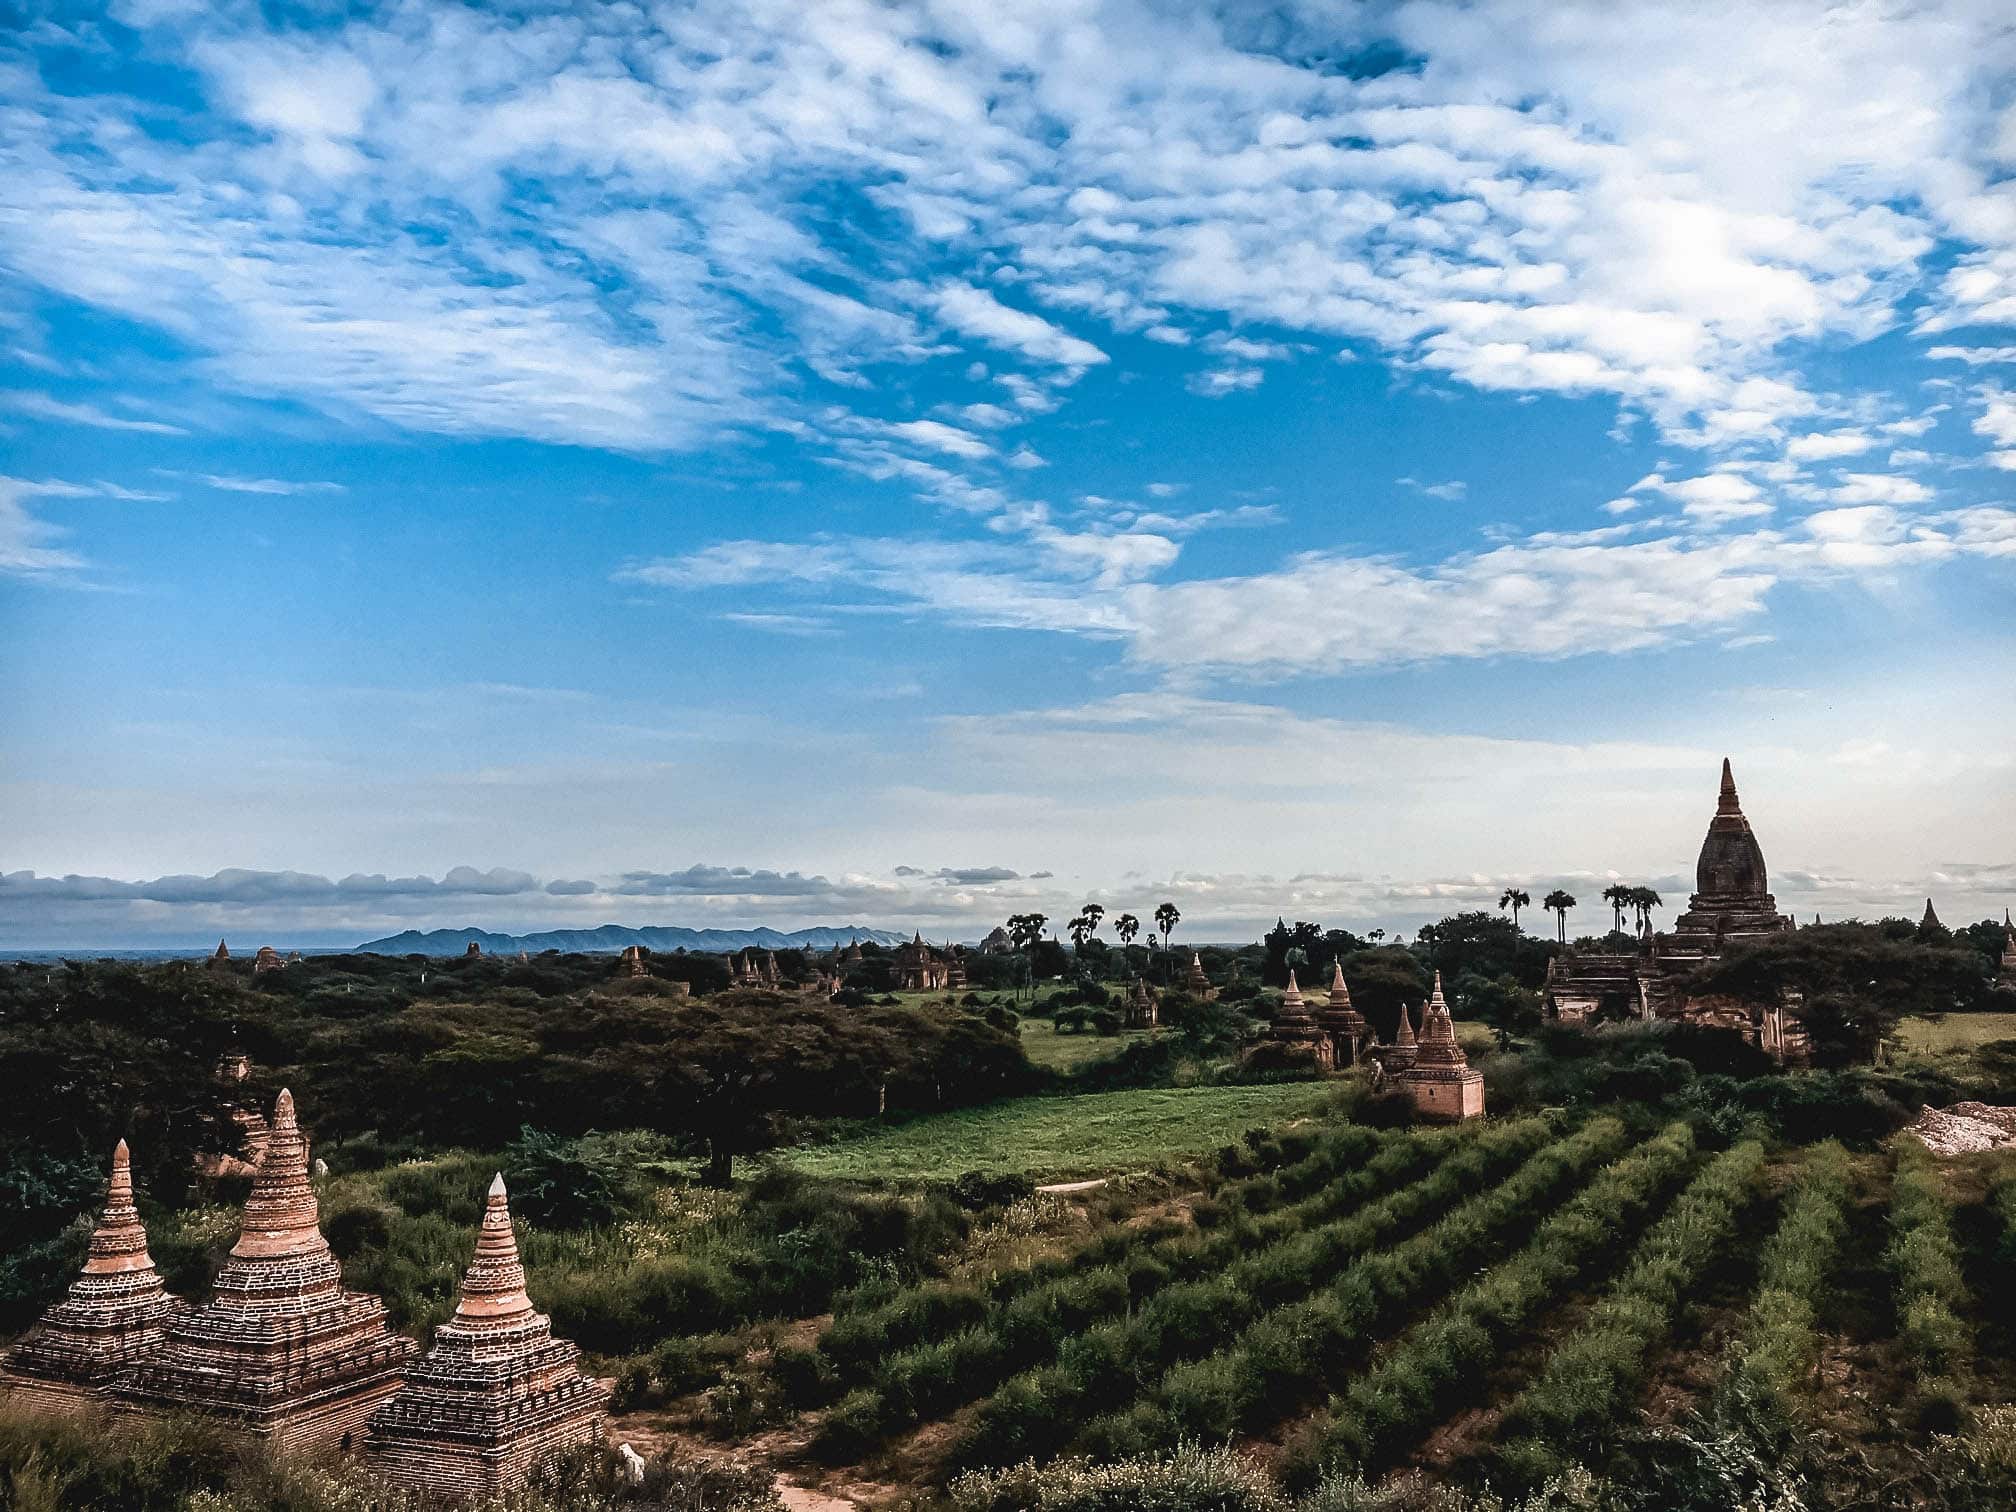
[
  {"x": 1067, "y": 1052},
  {"x": 1055, "y": 1138},
  {"x": 1956, "y": 1033}
]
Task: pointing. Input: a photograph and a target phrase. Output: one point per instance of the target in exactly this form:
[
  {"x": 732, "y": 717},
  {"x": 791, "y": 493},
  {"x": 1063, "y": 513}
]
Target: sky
[{"x": 738, "y": 463}]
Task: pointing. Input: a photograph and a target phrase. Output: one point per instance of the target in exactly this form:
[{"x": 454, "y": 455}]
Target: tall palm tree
[
  {"x": 1126, "y": 926},
  {"x": 1618, "y": 896},
  {"x": 1095, "y": 913},
  {"x": 1558, "y": 903},
  {"x": 1643, "y": 901},
  {"x": 1080, "y": 929},
  {"x": 1024, "y": 930},
  {"x": 1167, "y": 917},
  {"x": 1516, "y": 898}
]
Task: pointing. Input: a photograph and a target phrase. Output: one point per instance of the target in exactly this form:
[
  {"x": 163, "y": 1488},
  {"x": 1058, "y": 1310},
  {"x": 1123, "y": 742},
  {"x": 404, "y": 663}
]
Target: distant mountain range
[{"x": 615, "y": 937}]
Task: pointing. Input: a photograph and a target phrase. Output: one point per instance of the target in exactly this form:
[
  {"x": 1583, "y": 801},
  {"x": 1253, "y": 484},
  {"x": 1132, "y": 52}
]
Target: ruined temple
[
  {"x": 2006, "y": 976},
  {"x": 496, "y": 1396},
  {"x": 768, "y": 971},
  {"x": 1142, "y": 1010},
  {"x": 1441, "y": 1080},
  {"x": 918, "y": 967},
  {"x": 955, "y": 969},
  {"x": 1195, "y": 982},
  {"x": 1731, "y": 905},
  {"x": 220, "y": 959},
  {"x": 280, "y": 1350},
  {"x": 473, "y": 950},
  {"x": 1343, "y": 1023},
  {"x": 1399, "y": 1055},
  {"x": 113, "y": 1314},
  {"x": 230, "y": 1073},
  {"x": 1295, "y": 1028},
  {"x": 1929, "y": 927},
  {"x": 268, "y": 959},
  {"x": 997, "y": 942},
  {"x": 633, "y": 961}
]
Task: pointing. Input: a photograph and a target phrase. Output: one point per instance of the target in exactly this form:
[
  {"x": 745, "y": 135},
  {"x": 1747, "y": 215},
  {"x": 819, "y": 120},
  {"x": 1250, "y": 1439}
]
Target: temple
[
  {"x": 2006, "y": 975},
  {"x": 1400, "y": 1055},
  {"x": 496, "y": 1396},
  {"x": 1295, "y": 1028},
  {"x": 1195, "y": 982},
  {"x": 280, "y": 1350},
  {"x": 113, "y": 1314},
  {"x": 1142, "y": 1010},
  {"x": 1441, "y": 1081},
  {"x": 1731, "y": 905},
  {"x": 1343, "y": 1023},
  {"x": 920, "y": 969}
]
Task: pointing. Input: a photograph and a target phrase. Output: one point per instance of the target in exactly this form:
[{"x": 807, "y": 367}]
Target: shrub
[{"x": 1931, "y": 1289}]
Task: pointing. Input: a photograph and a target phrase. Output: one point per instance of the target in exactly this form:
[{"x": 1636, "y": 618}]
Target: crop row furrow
[
  {"x": 855, "y": 1343},
  {"x": 1923, "y": 1254},
  {"x": 1432, "y": 1365},
  {"x": 1038, "y": 1412},
  {"x": 1282, "y": 1357},
  {"x": 1582, "y": 1389},
  {"x": 934, "y": 1379}
]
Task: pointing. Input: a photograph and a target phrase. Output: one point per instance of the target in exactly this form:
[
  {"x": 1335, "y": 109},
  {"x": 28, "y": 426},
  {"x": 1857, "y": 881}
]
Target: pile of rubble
[{"x": 1964, "y": 1128}]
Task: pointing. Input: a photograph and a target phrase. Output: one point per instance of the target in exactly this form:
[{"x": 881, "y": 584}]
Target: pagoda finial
[
  {"x": 223, "y": 952},
  {"x": 1340, "y": 994},
  {"x": 1726, "y": 803},
  {"x": 493, "y": 1288},
  {"x": 1435, "y": 999},
  {"x": 1931, "y": 919},
  {"x": 282, "y": 1216},
  {"x": 118, "y": 1242},
  {"x": 1405, "y": 1034},
  {"x": 1291, "y": 996}
]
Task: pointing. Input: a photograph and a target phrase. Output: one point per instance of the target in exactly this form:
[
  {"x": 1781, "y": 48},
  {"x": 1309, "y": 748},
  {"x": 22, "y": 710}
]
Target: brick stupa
[
  {"x": 496, "y": 1396},
  {"x": 1343, "y": 1023},
  {"x": 1295, "y": 1028},
  {"x": 280, "y": 1350},
  {"x": 1399, "y": 1055},
  {"x": 1195, "y": 982},
  {"x": 1442, "y": 1081},
  {"x": 114, "y": 1313}
]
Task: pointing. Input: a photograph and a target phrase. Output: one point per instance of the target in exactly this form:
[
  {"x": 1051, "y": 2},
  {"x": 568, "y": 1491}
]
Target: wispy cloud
[{"x": 48, "y": 407}]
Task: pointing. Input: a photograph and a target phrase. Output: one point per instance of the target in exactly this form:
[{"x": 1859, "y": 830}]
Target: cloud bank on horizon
[{"x": 1309, "y": 453}]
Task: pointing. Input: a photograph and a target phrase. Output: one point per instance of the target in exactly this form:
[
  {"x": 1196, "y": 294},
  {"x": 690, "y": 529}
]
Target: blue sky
[{"x": 726, "y": 464}]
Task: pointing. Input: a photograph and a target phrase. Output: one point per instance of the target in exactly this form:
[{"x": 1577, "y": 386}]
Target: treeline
[{"x": 93, "y": 1052}]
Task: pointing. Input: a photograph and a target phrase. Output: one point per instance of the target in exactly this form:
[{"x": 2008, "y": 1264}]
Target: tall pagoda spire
[
  {"x": 280, "y": 1350},
  {"x": 113, "y": 1313},
  {"x": 1438, "y": 1045},
  {"x": 1341, "y": 1021},
  {"x": 1727, "y": 802},
  {"x": 496, "y": 1396},
  {"x": 1441, "y": 1080}
]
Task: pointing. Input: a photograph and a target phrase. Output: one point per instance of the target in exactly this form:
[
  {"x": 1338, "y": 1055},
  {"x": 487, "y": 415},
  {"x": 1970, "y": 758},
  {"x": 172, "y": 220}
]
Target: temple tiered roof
[
  {"x": 1195, "y": 982},
  {"x": 1344, "y": 1023},
  {"x": 1441, "y": 1080},
  {"x": 280, "y": 1349},
  {"x": 496, "y": 1395},
  {"x": 1295, "y": 1027},
  {"x": 113, "y": 1313}
]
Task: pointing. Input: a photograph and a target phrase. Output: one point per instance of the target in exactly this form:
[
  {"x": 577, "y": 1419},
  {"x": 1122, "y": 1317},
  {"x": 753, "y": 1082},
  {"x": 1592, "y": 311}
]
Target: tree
[
  {"x": 1024, "y": 930},
  {"x": 1516, "y": 898},
  {"x": 1092, "y": 913},
  {"x": 1167, "y": 917},
  {"x": 1126, "y": 926},
  {"x": 1618, "y": 896},
  {"x": 1080, "y": 929},
  {"x": 1643, "y": 900},
  {"x": 1558, "y": 903}
]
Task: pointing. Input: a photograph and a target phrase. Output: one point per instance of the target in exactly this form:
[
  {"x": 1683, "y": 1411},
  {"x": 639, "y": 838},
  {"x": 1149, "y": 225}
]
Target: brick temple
[
  {"x": 1343, "y": 1023},
  {"x": 496, "y": 1396},
  {"x": 1295, "y": 1028},
  {"x": 1731, "y": 905},
  {"x": 1441, "y": 1080},
  {"x": 114, "y": 1313},
  {"x": 280, "y": 1350}
]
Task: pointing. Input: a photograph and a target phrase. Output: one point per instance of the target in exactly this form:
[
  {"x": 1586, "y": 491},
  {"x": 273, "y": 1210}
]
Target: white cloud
[
  {"x": 1711, "y": 499},
  {"x": 1818, "y": 447},
  {"x": 940, "y": 437},
  {"x": 975, "y": 312},
  {"x": 1880, "y": 488},
  {"x": 48, "y": 407},
  {"x": 25, "y": 541}
]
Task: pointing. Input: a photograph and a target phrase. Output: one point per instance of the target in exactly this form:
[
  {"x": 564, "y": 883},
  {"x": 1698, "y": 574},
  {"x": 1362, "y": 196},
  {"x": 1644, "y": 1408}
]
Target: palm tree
[
  {"x": 1517, "y": 898},
  {"x": 1080, "y": 929},
  {"x": 1166, "y": 919},
  {"x": 1095, "y": 913},
  {"x": 1558, "y": 903},
  {"x": 1643, "y": 901},
  {"x": 1618, "y": 896},
  {"x": 1024, "y": 930},
  {"x": 1126, "y": 926}
]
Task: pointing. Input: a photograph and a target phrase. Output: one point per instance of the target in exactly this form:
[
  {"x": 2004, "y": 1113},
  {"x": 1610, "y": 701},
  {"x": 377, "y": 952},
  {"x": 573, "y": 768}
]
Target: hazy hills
[{"x": 615, "y": 937}]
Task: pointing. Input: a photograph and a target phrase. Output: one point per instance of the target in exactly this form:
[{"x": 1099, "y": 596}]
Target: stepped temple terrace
[
  {"x": 114, "y": 1313},
  {"x": 496, "y": 1395},
  {"x": 282, "y": 1353},
  {"x": 280, "y": 1349},
  {"x": 1731, "y": 905}
]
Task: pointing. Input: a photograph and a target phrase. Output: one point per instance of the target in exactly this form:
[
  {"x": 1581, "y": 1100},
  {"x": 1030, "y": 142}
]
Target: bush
[{"x": 1931, "y": 1288}]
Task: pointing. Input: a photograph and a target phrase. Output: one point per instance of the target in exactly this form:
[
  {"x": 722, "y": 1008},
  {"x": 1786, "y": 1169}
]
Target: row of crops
[{"x": 1338, "y": 1310}]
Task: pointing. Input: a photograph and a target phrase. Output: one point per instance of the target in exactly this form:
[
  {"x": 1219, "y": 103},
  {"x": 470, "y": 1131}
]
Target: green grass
[
  {"x": 1059, "y": 1138},
  {"x": 1956, "y": 1033},
  {"x": 1067, "y": 1052}
]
